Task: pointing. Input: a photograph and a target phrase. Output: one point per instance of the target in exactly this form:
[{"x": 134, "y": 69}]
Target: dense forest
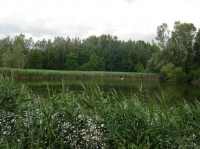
[{"x": 175, "y": 54}]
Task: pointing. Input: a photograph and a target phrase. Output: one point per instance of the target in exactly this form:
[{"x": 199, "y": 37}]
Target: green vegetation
[
  {"x": 103, "y": 53},
  {"x": 178, "y": 59},
  {"x": 94, "y": 119},
  {"x": 179, "y": 47},
  {"x": 57, "y": 74}
]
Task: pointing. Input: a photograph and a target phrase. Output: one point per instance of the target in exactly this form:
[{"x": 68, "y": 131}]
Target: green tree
[
  {"x": 95, "y": 64},
  {"x": 154, "y": 48},
  {"x": 176, "y": 48},
  {"x": 127, "y": 65},
  {"x": 163, "y": 35},
  {"x": 171, "y": 73},
  {"x": 166, "y": 71},
  {"x": 14, "y": 58},
  {"x": 35, "y": 59},
  {"x": 7, "y": 59},
  {"x": 139, "y": 67},
  {"x": 5, "y": 46},
  {"x": 72, "y": 61},
  {"x": 40, "y": 45},
  {"x": 176, "y": 54},
  {"x": 197, "y": 48},
  {"x": 20, "y": 40},
  {"x": 83, "y": 57},
  {"x": 183, "y": 34},
  {"x": 177, "y": 74}
]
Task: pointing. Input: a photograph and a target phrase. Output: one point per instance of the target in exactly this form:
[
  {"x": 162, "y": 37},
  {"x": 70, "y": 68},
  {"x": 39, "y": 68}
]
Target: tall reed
[
  {"x": 93, "y": 118},
  {"x": 58, "y": 74}
]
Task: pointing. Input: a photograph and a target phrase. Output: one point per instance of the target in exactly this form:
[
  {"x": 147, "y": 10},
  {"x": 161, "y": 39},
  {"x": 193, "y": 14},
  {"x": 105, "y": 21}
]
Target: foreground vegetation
[
  {"x": 94, "y": 119},
  {"x": 56, "y": 74}
]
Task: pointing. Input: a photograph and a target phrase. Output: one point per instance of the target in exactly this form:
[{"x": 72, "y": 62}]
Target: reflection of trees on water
[
  {"x": 171, "y": 91},
  {"x": 178, "y": 91}
]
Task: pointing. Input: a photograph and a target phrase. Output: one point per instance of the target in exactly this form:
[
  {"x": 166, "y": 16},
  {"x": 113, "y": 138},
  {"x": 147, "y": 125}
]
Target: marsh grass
[
  {"x": 58, "y": 74},
  {"x": 92, "y": 118}
]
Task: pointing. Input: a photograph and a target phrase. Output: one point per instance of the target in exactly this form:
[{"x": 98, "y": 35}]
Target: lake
[{"x": 172, "y": 91}]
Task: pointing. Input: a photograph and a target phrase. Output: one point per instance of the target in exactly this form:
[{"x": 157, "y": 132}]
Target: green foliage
[
  {"x": 5, "y": 45},
  {"x": 95, "y": 64},
  {"x": 184, "y": 34},
  {"x": 94, "y": 119},
  {"x": 107, "y": 53},
  {"x": 34, "y": 59},
  {"x": 154, "y": 48},
  {"x": 56, "y": 54},
  {"x": 195, "y": 75},
  {"x": 72, "y": 61},
  {"x": 163, "y": 35},
  {"x": 139, "y": 67},
  {"x": 197, "y": 48},
  {"x": 127, "y": 65},
  {"x": 7, "y": 59},
  {"x": 14, "y": 58},
  {"x": 20, "y": 40},
  {"x": 171, "y": 73},
  {"x": 178, "y": 74},
  {"x": 156, "y": 62},
  {"x": 83, "y": 57},
  {"x": 166, "y": 71},
  {"x": 177, "y": 49}
]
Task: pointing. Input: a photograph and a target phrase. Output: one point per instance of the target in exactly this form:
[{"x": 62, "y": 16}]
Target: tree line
[
  {"x": 175, "y": 54},
  {"x": 95, "y": 53}
]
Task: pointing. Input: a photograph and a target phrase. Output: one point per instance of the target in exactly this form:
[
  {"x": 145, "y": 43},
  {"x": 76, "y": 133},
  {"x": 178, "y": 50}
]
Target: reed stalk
[
  {"x": 92, "y": 118},
  {"x": 36, "y": 74}
]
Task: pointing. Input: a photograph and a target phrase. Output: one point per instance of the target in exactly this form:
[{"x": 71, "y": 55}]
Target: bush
[{"x": 171, "y": 73}]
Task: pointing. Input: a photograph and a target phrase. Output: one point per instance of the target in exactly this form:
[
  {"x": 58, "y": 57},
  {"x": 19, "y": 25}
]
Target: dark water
[{"x": 172, "y": 91}]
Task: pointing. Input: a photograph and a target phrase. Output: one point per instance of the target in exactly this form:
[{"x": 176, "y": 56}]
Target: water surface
[{"x": 172, "y": 91}]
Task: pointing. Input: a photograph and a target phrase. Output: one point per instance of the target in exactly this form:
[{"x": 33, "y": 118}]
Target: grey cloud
[{"x": 10, "y": 28}]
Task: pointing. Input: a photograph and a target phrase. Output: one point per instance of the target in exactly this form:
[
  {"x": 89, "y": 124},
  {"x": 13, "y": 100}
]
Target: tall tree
[
  {"x": 5, "y": 45},
  {"x": 163, "y": 35},
  {"x": 20, "y": 40},
  {"x": 197, "y": 48},
  {"x": 177, "y": 48},
  {"x": 183, "y": 34},
  {"x": 35, "y": 60},
  {"x": 95, "y": 64},
  {"x": 71, "y": 61},
  {"x": 14, "y": 58}
]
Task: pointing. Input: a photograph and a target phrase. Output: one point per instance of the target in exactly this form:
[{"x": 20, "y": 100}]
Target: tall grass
[
  {"x": 93, "y": 118},
  {"x": 58, "y": 74}
]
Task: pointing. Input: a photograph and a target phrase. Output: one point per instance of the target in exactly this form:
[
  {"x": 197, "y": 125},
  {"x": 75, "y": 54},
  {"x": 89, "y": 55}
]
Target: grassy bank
[
  {"x": 57, "y": 74},
  {"x": 94, "y": 119}
]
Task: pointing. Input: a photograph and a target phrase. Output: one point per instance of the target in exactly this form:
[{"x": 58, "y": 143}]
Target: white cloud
[{"x": 135, "y": 19}]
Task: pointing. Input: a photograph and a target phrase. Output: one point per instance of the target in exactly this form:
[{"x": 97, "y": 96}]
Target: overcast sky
[{"x": 126, "y": 19}]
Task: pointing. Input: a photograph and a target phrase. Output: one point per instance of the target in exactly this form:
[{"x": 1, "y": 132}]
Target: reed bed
[
  {"x": 92, "y": 118},
  {"x": 58, "y": 74}
]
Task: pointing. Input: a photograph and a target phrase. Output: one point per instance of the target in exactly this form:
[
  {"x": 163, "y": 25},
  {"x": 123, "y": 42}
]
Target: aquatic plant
[
  {"x": 92, "y": 118},
  {"x": 58, "y": 74}
]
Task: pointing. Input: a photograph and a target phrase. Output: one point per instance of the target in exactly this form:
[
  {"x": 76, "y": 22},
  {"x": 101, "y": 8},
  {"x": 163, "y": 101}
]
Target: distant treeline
[
  {"x": 103, "y": 53},
  {"x": 175, "y": 55}
]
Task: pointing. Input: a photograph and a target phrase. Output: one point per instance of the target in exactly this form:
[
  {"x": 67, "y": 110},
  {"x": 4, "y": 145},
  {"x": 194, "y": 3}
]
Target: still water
[{"x": 172, "y": 91}]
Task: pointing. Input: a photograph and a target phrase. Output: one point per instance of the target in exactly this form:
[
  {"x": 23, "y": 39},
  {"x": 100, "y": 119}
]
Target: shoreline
[{"x": 37, "y": 74}]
